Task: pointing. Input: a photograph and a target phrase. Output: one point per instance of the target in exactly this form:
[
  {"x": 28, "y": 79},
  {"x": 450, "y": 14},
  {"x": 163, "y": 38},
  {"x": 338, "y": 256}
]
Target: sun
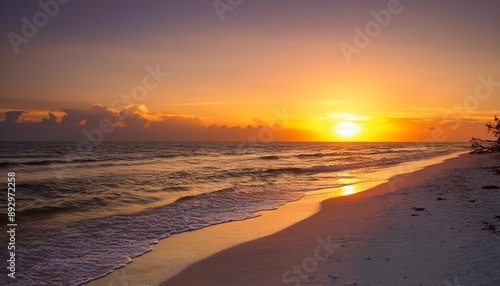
[{"x": 348, "y": 129}]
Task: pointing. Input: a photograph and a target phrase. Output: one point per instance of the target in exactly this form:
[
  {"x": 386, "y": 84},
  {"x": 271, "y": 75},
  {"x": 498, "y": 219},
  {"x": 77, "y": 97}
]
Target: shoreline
[
  {"x": 171, "y": 256},
  {"x": 430, "y": 231}
]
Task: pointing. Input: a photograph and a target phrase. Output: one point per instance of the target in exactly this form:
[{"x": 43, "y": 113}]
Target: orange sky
[{"x": 429, "y": 73}]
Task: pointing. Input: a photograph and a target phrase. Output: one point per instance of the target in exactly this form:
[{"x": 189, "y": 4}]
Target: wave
[
  {"x": 85, "y": 160},
  {"x": 320, "y": 155},
  {"x": 44, "y": 162},
  {"x": 283, "y": 171},
  {"x": 313, "y": 170},
  {"x": 175, "y": 189},
  {"x": 185, "y": 198},
  {"x": 270, "y": 157},
  {"x": 165, "y": 156},
  {"x": 48, "y": 162},
  {"x": 46, "y": 210},
  {"x": 122, "y": 237},
  {"x": 9, "y": 164},
  {"x": 216, "y": 193}
]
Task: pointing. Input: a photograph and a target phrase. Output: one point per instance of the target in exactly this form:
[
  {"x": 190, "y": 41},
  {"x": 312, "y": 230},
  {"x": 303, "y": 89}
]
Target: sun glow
[
  {"x": 348, "y": 129},
  {"x": 349, "y": 190}
]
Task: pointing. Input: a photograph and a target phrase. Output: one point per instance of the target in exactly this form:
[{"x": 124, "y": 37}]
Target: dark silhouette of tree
[
  {"x": 494, "y": 128},
  {"x": 488, "y": 146}
]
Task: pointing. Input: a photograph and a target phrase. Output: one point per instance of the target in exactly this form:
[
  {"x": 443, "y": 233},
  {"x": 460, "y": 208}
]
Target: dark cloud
[
  {"x": 73, "y": 117},
  {"x": 12, "y": 116},
  {"x": 49, "y": 121},
  {"x": 136, "y": 123}
]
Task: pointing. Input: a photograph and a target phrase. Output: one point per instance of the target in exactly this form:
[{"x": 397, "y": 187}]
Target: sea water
[{"x": 82, "y": 214}]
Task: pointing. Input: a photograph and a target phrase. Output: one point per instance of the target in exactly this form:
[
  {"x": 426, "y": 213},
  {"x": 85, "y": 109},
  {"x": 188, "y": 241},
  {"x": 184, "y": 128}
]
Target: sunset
[
  {"x": 416, "y": 67},
  {"x": 238, "y": 142}
]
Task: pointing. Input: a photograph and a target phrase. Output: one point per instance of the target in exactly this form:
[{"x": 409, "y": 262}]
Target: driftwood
[
  {"x": 488, "y": 146},
  {"x": 485, "y": 146}
]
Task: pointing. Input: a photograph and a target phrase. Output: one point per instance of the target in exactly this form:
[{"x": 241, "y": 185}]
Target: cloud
[
  {"x": 12, "y": 116},
  {"x": 135, "y": 122},
  {"x": 90, "y": 118}
]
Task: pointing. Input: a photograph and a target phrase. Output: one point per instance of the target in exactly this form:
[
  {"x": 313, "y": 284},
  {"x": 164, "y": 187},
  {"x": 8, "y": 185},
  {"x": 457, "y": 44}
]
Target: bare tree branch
[{"x": 488, "y": 146}]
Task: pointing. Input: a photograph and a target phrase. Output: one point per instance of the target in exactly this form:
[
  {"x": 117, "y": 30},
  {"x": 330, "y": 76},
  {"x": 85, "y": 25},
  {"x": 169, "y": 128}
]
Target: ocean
[{"x": 81, "y": 215}]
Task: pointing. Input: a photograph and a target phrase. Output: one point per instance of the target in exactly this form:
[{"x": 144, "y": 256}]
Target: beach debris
[
  {"x": 472, "y": 201},
  {"x": 488, "y": 146},
  {"x": 488, "y": 226},
  {"x": 415, "y": 215},
  {"x": 490, "y": 187},
  {"x": 418, "y": 209},
  {"x": 497, "y": 217},
  {"x": 367, "y": 258},
  {"x": 440, "y": 199}
]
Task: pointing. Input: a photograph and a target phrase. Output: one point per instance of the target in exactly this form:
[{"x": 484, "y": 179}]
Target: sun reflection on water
[{"x": 349, "y": 190}]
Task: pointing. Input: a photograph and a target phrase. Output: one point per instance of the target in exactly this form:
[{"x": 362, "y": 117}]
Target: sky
[{"x": 241, "y": 70}]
